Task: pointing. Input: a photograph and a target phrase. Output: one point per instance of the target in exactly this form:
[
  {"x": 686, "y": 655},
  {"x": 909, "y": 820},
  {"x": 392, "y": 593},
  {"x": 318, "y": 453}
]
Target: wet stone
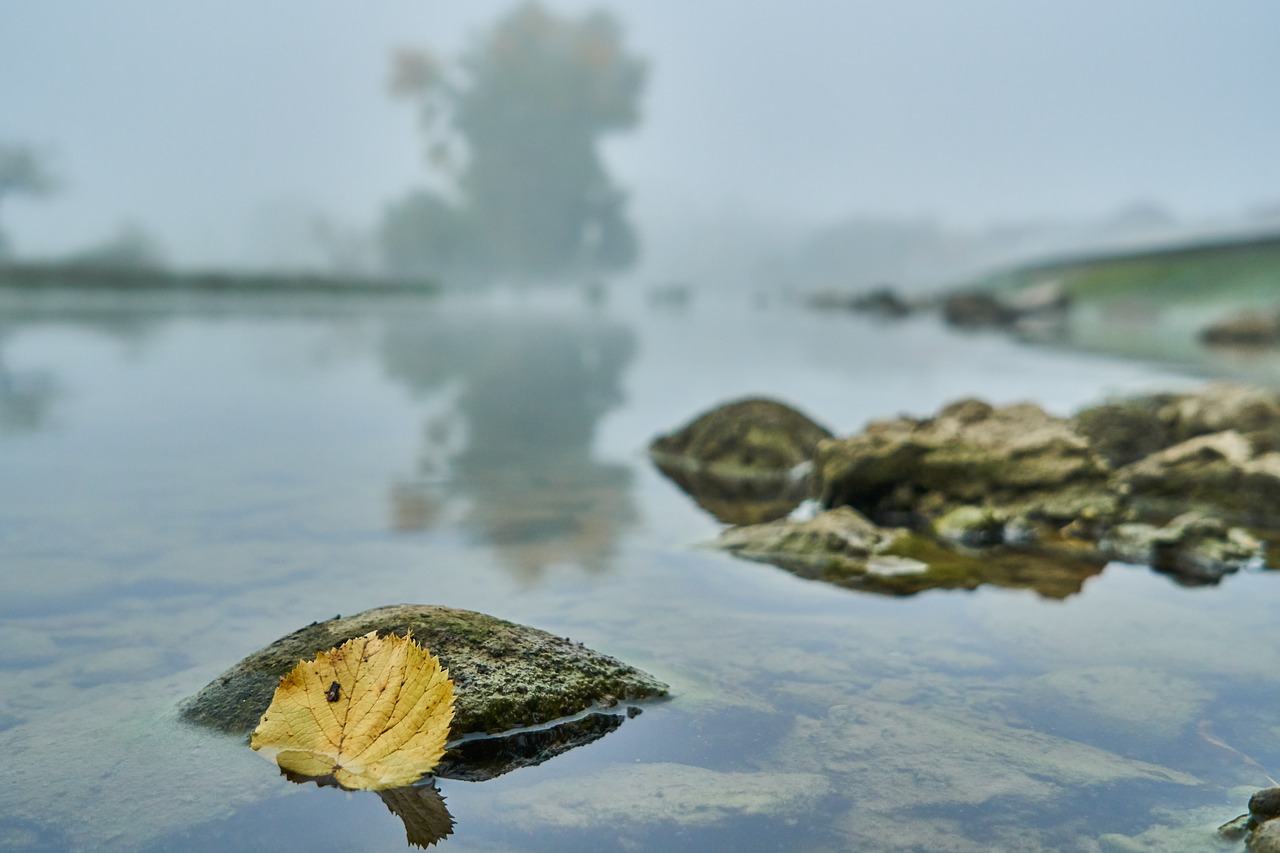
[
  {"x": 1193, "y": 548},
  {"x": 505, "y": 675},
  {"x": 1264, "y": 839},
  {"x": 1016, "y": 459},
  {"x": 1265, "y": 805},
  {"x": 745, "y": 462},
  {"x": 841, "y": 547},
  {"x": 1246, "y": 329},
  {"x": 1153, "y": 480},
  {"x": 1221, "y": 473},
  {"x": 1236, "y": 828}
]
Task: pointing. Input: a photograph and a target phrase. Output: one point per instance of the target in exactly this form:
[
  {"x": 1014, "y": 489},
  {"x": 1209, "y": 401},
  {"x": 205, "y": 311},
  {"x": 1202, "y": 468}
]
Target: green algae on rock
[
  {"x": 839, "y": 546},
  {"x": 505, "y": 675},
  {"x": 987, "y": 491},
  {"x": 745, "y": 462},
  {"x": 843, "y": 548},
  {"x": 1193, "y": 548}
]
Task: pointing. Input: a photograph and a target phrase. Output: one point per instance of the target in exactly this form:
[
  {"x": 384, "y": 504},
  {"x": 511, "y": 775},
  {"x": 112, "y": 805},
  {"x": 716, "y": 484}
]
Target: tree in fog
[
  {"x": 513, "y": 129},
  {"x": 22, "y": 172}
]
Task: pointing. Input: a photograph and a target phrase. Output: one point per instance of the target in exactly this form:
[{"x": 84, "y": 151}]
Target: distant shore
[
  {"x": 79, "y": 276},
  {"x": 1244, "y": 269}
]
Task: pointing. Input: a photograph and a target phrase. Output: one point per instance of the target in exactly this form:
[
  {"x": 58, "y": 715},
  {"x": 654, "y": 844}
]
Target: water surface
[{"x": 183, "y": 480}]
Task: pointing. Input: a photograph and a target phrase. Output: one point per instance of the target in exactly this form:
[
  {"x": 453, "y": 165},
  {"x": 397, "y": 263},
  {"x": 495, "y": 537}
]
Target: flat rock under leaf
[{"x": 505, "y": 675}]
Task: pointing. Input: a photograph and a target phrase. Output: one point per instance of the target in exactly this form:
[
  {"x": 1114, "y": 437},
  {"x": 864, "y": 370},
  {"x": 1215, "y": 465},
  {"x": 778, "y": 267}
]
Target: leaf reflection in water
[{"x": 420, "y": 807}]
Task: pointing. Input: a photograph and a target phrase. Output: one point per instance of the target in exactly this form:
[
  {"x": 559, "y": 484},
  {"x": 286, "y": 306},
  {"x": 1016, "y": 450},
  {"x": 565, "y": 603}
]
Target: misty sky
[{"x": 222, "y": 128}]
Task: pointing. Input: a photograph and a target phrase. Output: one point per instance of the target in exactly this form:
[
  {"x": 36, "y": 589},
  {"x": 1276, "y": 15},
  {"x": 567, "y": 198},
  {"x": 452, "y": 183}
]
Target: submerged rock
[
  {"x": 929, "y": 759},
  {"x": 630, "y": 801},
  {"x": 1192, "y": 547},
  {"x": 843, "y": 548},
  {"x": 881, "y": 302},
  {"x": 1246, "y": 329},
  {"x": 744, "y": 462},
  {"x": 1038, "y": 311},
  {"x": 839, "y": 543},
  {"x": 1236, "y": 828},
  {"x": 505, "y": 675},
  {"x": 977, "y": 311},
  {"x": 971, "y": 526}
]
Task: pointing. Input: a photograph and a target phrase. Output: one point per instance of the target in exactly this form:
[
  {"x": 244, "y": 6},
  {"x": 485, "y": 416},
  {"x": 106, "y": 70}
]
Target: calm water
[{"x": 183, "y": 481}]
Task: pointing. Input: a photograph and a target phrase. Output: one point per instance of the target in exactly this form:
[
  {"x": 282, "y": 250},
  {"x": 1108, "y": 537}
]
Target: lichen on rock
[
  {"x": 505, "y": 675},
  {"x": 1221, "y": 473},
  {"x": 976, "y": 493},
  {"x": 1017, "y": 459}
]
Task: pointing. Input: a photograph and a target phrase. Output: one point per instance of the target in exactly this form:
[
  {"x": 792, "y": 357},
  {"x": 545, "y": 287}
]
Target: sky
[{"x": 223, "y": 129}]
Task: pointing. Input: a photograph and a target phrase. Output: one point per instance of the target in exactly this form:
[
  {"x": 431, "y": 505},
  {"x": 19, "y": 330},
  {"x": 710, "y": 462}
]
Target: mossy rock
[
  {"x": 505, "y": 675},
  {"x": 745, "y": 462},
  {"x": 1013, "y": 458},
  {"x": 842, "y": 548},
  {"x": 1125, "y": 431},
  {"x": 1132, "y": 428},
  {"x": 1220, "y": 474},
  {"x": 752, "y": 436}
]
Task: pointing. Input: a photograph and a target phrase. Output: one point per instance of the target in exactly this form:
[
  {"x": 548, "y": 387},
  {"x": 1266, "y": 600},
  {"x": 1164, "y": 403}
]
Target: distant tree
[
  {"x": 513, "y": 128},
  {"x": 423, "y": 234},
  {"x": 22, "y": 172}
]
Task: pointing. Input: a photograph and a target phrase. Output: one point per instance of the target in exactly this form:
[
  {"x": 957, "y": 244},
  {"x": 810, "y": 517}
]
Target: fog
[{"x": 263, "y": 135}]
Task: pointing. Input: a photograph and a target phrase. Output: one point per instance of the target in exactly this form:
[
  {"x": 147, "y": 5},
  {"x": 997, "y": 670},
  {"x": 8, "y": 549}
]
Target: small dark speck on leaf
[{"x": 332, "y": 693}]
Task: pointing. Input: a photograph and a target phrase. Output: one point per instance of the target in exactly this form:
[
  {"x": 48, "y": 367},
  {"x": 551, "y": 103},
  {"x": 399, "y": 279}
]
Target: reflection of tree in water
[
  {"x": 531, "y": 395},
  {"x": 26, "y": 398}
]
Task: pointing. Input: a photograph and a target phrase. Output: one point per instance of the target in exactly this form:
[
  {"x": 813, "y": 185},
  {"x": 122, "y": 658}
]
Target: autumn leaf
[{"x": 373, "y": 713}]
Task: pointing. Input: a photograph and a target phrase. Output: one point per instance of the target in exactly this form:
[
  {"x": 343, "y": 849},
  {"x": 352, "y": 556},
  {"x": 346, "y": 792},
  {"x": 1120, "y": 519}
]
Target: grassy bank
[
  {"x": 1230, "y": 272},
  {"x": 1155, "y": 304}
]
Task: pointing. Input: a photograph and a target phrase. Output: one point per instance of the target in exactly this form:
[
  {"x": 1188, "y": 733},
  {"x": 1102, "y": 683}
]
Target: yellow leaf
[{"x": 373, "y": 713}]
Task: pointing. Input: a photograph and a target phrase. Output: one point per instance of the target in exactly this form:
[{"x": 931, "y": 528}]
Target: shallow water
[{"x": 184, "y": 480}]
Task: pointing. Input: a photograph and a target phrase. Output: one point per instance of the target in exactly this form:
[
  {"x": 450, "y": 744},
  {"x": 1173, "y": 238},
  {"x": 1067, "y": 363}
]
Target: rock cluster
[
  {"x": 1158, "y": 480},
  {"x": 1260, "y": 828}
]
